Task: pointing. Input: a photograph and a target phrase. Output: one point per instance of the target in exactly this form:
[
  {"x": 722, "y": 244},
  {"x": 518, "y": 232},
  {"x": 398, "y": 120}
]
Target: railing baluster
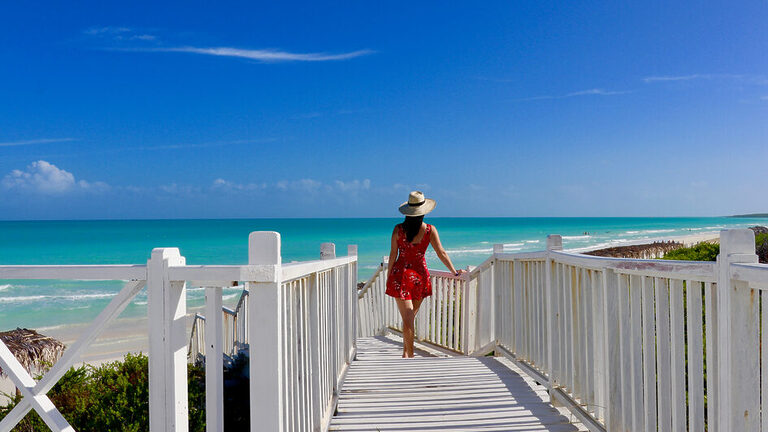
[
  {"x": 614, "y": 420},
  {"x": 764, "y": 360},
  {"x": 664, "y": 356},
  {"x": 678, "y": 354},
  {"x": 214, "y": 363},
  {"x": 636, "y": 355},
  {"x": 695, "y": 357},
  {"x": 598, "y": 322},
  {"x": 649, "y": 355},
  {"x": 589, "y": 361},
  {"x": 456, "y": 287}
]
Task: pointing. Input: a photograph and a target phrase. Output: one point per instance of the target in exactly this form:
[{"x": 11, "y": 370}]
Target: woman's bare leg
[
  {"x": 406, "y": 312},
  {"x": 416, "y": 306}
]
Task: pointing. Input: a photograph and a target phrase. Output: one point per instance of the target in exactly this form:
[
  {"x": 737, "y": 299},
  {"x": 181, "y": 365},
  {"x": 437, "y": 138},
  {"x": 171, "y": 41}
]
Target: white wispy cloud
[
  {"x": 306, "y": 185},
  {"x": 312, "y": 187},
  {"x": 747, "y": 78},
  {"x": 663, "y": 78},
  {"x": 35, "y": 141},
  {"x": 226, "y": 185},
  {"x": 353, "y": 186},
  {"x": 106, "y": 30},
  {"x": 262, "y": 55},
  {"x": 46, "y": 178},
  {"x": 588, "y": 92},
  {"x": 119, "y": 33},
  {"x": 183, "y": 146},
  {"x": 147, "y": 41},
  {"x": 597, "y": 92}
]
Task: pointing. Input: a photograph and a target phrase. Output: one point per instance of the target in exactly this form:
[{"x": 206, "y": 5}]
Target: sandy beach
[{"x": 686, "y": 240}]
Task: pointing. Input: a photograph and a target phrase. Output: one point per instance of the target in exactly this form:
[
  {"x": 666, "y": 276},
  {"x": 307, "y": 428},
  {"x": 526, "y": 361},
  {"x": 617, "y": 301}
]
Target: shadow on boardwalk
[{"x": 385, "y": 392}]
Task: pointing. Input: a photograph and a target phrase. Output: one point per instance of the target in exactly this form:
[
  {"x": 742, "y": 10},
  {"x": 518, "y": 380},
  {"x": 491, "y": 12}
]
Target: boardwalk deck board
[{"x": 385, "y": 392}]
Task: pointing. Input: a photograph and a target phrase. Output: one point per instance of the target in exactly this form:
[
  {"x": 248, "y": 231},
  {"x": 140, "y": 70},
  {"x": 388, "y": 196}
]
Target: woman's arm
[
  {"x": 392, "y": 252},
  {"x": 434, "y": 240}
]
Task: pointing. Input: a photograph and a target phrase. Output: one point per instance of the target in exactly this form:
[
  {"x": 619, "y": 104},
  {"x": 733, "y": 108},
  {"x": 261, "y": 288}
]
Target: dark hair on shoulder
[{"x": 411, "y": 225}]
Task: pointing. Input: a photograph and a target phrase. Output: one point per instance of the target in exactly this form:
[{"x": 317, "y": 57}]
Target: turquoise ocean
[{"x": 43, "y": 304}]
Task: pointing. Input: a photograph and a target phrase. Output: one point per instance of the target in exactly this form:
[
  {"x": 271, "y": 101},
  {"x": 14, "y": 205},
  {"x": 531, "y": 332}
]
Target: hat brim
[{"x": 408, "y": 210}]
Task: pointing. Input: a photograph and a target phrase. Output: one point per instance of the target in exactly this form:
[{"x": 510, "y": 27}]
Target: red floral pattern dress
[{"x": 409, "y": 279}]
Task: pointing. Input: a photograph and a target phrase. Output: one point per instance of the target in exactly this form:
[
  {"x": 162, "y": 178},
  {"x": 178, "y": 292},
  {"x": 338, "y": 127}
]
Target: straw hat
[{"x": 417, "y": 205}]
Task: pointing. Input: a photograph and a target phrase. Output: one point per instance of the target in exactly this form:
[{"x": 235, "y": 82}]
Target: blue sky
[{"x": 320, "y": 109}]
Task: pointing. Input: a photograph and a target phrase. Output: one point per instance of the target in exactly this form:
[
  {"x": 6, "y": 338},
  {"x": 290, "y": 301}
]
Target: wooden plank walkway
[{"x": 383, "y": 391}]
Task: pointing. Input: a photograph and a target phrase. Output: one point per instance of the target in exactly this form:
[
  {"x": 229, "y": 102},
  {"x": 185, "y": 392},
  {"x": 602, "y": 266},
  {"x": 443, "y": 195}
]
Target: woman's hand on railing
[{"x": 459, "y": 272}]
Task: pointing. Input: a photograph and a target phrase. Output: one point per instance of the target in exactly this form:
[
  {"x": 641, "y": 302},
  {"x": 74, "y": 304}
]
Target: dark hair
[{"x": 412, "y": 225}]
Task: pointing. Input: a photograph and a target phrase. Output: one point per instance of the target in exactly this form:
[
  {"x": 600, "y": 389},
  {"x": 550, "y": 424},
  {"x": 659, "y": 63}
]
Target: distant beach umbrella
[{"x": 33, "y": 350}]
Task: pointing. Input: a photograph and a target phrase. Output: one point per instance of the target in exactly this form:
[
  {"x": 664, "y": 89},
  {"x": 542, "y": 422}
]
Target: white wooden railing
[
  {"x": 441, "y": 320},
  {"x": 300, "y": 327},
  {"x": 235, "y": 328},
  {"x": 625, "y": 344}
]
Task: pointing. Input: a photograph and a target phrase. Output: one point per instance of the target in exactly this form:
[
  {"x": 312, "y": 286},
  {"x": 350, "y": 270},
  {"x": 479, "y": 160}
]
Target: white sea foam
[
  {"x": 602, "y": 245},
  {"x": 76, "y": 297},
  {"x": 72, "y": 297},
  {"x": 512, "y": 244},
  {"x": 21, "y": 299},
  {"x": 469, "y": 251},
  {"x": 579, "y": 237},
  {"x": 45, "y": 329},
  {"x": 531, "y": 241},
  {"x": 5, "y": 287}
]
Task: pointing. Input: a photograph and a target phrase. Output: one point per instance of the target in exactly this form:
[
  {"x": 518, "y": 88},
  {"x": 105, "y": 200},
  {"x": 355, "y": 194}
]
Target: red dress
[{"x": 409, "y": 279}]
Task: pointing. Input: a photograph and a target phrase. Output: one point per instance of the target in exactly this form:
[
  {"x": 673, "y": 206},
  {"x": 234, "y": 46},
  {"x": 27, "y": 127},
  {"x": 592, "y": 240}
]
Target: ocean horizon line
[{"x": 753, "y": 216}]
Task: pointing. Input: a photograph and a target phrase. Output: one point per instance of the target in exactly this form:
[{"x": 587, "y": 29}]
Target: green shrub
[
  {"x": 761, "y": 247},
  {"x": 112, "y": 397},
  {"x": 708, "y": 251},
  {"x": 699, "y": 252}
]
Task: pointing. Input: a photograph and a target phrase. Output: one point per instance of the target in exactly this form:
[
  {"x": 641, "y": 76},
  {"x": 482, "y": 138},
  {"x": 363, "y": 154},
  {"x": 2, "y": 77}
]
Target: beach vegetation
[
  {"x": 709, "y": 251},
  {"x": 698, "y": 252},
  {"x": 111, "y": 397}
]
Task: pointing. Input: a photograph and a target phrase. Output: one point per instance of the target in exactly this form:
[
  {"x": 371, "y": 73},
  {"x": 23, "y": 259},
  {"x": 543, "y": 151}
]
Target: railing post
[
  {"x": 739, "y": 390},
  {"x": 554, "y": 243},
  {"x": 167, "y": 307},
  {"x": 214, "y": 361},
  {"x": 265, "y": 333},
  {"x": 327, "y": 251}
]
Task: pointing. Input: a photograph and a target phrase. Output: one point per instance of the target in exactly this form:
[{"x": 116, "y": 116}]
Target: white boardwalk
[{"x": 385, "y": 392}]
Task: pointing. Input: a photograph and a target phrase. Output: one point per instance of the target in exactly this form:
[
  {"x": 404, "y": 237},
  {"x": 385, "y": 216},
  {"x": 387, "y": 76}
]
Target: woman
[{"x": 408, "y": 278}]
